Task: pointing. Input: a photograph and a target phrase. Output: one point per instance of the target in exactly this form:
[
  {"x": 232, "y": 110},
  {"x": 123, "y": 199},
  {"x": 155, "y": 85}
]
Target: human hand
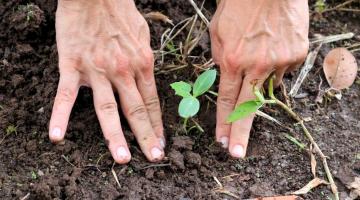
[
  {"x": 251, "y": 39},
  {"x": 106, "y": 45}
]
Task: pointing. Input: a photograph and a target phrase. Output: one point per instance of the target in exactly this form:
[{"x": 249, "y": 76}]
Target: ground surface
[{"x": 81, "y": 168}]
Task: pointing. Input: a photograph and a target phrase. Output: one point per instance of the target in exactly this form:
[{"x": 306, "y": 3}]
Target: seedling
[
  {"x": 11, "y": 129},
  {"x": 189, "y": 105},
  {"x": 249, "y": 107},
  {"x": 33, "y": 175},
  {"x": 320, "y": 6}
]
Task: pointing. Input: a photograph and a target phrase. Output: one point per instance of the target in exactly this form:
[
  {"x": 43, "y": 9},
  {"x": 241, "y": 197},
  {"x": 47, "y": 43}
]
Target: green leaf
[
  {"x": 188, "y": 107},
  {"x": 204, "y": 82},
  {"x": 244, "y": 110},
  {"x": 181, "y": 88}
]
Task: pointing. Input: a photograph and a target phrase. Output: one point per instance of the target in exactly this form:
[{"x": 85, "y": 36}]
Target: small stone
[
  {"x": 41, "y": 110},
  {"x": 40, "y": 173},
  {"x": 103, "y": 174}
]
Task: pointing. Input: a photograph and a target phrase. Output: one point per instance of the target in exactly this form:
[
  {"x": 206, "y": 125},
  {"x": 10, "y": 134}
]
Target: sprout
[{"x": 189, "y": 106}]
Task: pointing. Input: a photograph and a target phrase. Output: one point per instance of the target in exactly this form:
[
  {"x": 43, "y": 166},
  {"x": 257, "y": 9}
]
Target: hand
[
  {"x": 106, "y": 45},
  {"x": 252, "y": 39}
]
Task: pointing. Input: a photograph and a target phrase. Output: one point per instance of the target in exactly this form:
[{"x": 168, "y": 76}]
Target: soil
[{"x": 81, "y": 168}]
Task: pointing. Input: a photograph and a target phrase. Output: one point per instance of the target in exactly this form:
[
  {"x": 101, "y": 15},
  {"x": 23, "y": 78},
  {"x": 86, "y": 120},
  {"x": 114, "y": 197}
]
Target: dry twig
[{"x": 317, "y": 149}]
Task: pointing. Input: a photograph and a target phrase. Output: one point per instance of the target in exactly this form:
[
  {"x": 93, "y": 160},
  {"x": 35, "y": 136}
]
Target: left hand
[{"x": 251, "y": 39}]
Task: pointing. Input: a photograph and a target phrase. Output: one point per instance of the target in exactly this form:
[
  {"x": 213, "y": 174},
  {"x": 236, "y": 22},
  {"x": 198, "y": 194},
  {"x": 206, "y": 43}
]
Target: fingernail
[
  {"x": 238, "y": 151},
  {"x": 156, "y": 153},
  {"x": 56, "y": 133},
  {"x": 162, "y": 142},
  {"x": 224, "y": 142},
  {"x": 121, "y": 153}
]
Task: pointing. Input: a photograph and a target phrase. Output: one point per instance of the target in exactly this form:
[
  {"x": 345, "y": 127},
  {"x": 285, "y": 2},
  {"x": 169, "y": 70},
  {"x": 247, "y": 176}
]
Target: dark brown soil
[{"x": 81, "y": 168}]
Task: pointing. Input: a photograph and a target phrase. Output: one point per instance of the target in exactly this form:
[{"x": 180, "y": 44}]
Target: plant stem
[
  {"x": 197, "y": 125},
  {"x": 185, "y": 124},
  {"x": 213, "y": 93},
  {"x": 309, "y": 136}
]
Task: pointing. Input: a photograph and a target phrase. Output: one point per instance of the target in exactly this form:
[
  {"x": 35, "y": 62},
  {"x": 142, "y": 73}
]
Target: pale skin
[{"x": 105, "y": 45}]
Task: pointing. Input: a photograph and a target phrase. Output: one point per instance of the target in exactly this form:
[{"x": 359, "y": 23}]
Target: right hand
[{"x": 104, "y": 45}]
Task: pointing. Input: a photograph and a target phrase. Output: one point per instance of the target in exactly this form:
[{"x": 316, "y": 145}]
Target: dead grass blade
[
  {"x": 309, "y": 63},
  {"x": 313, "y": 161},
  {"x": 268, "y": 117},
  {"x": 198, "y": 11},
  {"x": 312, "y": 184},
  {"x": 115, "y": 176},
  {"x": 158, "y": 16},
  {"x": 332, "y": 38},
  {"x": 220, "y": 189},
  {"x": 26, "y": 196}
]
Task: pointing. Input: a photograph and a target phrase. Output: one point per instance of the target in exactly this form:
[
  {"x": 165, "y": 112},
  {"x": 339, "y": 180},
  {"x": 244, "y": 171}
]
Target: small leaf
[
  {"x": 340, "y": 68},
  {"x": 204, "y": 82},
  {"x": 244, "y": 110},
  {"x": 181, "y": 88},
  {"x": 189, "y": 107}
]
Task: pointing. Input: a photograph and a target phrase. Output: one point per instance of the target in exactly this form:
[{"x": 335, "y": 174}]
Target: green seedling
[
  {"x": 11, "y": 129},
  {"x": 250, "y": 107},
  {"x": 33, "y": 175},
  {"x": 189, "y": 105},
  {"x": 247, "y": 108},
  {"x": 320, "y": 6}
]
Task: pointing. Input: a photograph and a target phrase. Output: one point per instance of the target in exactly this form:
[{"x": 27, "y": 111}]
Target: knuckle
[
  {"x": 262, "y": 68},
  {"x": 226, "y": 100},
  {"x": 108, "y": 108},
  {"x": 137, "y": 113},
  {"x": 122, "y": 66},
  {"x": 65, "y": 95},
  {"x": 232, "y": 62},
  {"x": 146, "y": 60},
  {"x": 99, "y": 61},
  {"x": 152, "y": 103},
  {"x": 113, "y": 136}
]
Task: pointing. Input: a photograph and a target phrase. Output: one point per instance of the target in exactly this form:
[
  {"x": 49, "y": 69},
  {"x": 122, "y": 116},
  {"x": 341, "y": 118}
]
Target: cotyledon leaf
[{"x": 188, "y": 107}]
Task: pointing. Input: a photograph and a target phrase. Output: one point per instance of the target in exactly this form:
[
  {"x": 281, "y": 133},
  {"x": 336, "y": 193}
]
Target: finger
[
  {"x": 67, "y": 91},
  {"x": 279, "y": 75},
  {"x": 240, "y": 130},
  {"x": 108, "y": 115},
  {"x": 138, "y": 118},
  {"x": 147, "y": 88},
  {"x": 229, "y": 89}
]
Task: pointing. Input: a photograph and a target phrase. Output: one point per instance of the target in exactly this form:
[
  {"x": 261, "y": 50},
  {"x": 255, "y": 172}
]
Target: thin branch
[{"x": 338, "y": 7}]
